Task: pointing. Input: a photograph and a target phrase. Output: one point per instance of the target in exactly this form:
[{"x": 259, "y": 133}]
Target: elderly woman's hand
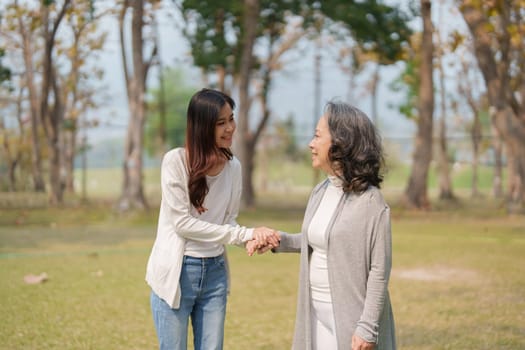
[{"x": 361, "y": 344}]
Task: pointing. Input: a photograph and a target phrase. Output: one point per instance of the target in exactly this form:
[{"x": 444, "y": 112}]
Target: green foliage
[
  {"x": 177, "y": 94},
  {"x": 213, "y": 33},
  {"x": 214, "y": 29},
  {"x": 377, "y": 28}
]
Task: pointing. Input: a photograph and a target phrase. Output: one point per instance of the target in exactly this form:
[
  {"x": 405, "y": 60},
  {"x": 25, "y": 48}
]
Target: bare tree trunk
[
  {"x": 68, "y": 164},
  {"x": 36, "y": 156},
  {"x": 375, "y": 85},
  {"x": 416, "y": 192},
  {"x": 445, "y": 183},
  {"x": 465, "y": 89},
  {"x": 132, "y": 196},
  {"x": 163, "y": 129},
  {"x": 52, "y": 119},
  {"x": 56, "y": 116},
  {"x": 221, "y": 76},
  {"x": 515, "y": 147},
  {"x": 475, "y": 134},
  {"x": 246, "y": 150}
]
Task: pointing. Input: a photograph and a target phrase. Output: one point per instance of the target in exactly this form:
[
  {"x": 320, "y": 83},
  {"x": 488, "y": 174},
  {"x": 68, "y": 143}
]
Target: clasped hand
[{"x": 264, "y": 239}]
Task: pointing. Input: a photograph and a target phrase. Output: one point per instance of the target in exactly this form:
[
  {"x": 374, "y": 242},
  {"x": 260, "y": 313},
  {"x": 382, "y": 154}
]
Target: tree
[
  {"x": 477, "y": 104},
  {"x": 135, "y": 73},
  {"x": 21, "y": 27},
  {"x": 497, "y": 30},
  {"x": 380, "y": 33},
  {"x": 13, "y": 143},
  {"x": 51, "y": 96},
  {"x": 415, "y": 194},
  {"x": 79, "y": 93},
  {"x": 55, "y": 41}
]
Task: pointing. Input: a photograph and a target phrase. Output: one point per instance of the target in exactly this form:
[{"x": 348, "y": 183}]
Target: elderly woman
[{"x": 345, "y": 242}]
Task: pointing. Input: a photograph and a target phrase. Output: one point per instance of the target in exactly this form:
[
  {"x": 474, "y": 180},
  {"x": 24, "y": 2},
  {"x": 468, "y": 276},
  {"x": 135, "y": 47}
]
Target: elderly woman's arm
[{"x": 289, "y": 243}]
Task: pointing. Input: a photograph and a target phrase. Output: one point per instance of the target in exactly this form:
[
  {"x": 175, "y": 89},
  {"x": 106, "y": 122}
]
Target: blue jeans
[{"x": 203, "y": 283}]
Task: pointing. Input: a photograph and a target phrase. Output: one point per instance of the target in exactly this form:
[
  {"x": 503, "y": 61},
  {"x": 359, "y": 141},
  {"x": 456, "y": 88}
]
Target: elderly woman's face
[{"x": 320, "y": 145}]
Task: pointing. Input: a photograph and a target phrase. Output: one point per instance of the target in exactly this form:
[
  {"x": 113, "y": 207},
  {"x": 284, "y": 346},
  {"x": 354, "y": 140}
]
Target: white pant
[{"x": 323, "y": 326}]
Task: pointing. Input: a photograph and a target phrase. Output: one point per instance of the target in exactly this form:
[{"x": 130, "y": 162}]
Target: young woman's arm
[{"x": 177, "y": 203}]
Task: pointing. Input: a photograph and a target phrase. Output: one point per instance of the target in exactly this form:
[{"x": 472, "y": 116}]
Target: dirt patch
[{"x": 435, "y": 274}]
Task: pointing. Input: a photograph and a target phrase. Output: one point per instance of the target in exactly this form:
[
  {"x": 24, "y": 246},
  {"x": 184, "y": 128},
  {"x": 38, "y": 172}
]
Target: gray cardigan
[{"x": 359, "y": 263}]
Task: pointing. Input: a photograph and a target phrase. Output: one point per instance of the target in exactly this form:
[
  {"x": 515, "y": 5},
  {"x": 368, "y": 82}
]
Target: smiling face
[
  {"x": 320, "y": 145},
  {"x": 225, "y": 127}
]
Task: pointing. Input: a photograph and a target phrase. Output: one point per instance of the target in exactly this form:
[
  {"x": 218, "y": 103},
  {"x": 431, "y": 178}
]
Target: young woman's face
[
  {"x": 320, "y": 145},
  {"x": 225, "y": 127}
]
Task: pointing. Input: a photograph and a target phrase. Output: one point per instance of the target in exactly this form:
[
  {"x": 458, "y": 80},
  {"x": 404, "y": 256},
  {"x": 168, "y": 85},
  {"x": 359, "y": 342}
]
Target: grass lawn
[{"x": 457, "y": 281}]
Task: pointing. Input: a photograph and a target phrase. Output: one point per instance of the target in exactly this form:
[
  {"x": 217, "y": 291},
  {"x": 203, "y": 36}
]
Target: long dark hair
[
  {"x": 201, "y": 149},
  {"x": 356, "y": 153}
]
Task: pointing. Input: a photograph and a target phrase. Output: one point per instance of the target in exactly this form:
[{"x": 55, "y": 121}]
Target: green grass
[{"x": 457, "y": 280}]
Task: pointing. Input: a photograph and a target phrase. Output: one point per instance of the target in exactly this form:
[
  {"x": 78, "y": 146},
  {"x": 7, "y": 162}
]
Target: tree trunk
[
  {"x": 445, "y": 183},
  {"x": 246, "y": 151},
  {"x": 52, "y": 119},
  {"x": 68, "y": 163},
  {"x": 132, "y": 196},
  {"x": 55, "y": 119},
  {"x": 513, "y": 132},
  {"x": 36, "y": 156},
  {"x": 476, "y": 140},
  {"x": 375, "y": 85},
  {"x": 416, "y": 192}
]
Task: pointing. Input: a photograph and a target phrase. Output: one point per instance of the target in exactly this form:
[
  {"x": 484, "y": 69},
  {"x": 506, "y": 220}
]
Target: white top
[
  {"x": 318, "y": 240},
  {"x": 219, "y": 194},
  {"x": 177, "y": 225}
]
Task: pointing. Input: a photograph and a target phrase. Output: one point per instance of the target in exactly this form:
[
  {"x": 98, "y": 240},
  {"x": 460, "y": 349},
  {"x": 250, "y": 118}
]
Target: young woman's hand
[
  {"x": 266, "y": 236},
  {"x": 263, "y": 240}
]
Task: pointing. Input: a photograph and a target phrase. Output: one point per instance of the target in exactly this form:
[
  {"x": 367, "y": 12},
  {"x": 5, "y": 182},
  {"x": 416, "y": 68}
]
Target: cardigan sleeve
[
  {"x": 379, "y": 274},
  {"x": 175, "y": 195},
  {"x": 290, "y": 243}
]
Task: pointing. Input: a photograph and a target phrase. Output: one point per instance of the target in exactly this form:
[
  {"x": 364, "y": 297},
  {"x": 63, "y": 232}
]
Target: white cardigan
[{"x": 176, "y": 225}]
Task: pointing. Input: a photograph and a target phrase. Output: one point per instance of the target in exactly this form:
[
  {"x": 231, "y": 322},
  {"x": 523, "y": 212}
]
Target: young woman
[
  {"x": 345, "y": 243},
  {"x": 201, "y": 188}
]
